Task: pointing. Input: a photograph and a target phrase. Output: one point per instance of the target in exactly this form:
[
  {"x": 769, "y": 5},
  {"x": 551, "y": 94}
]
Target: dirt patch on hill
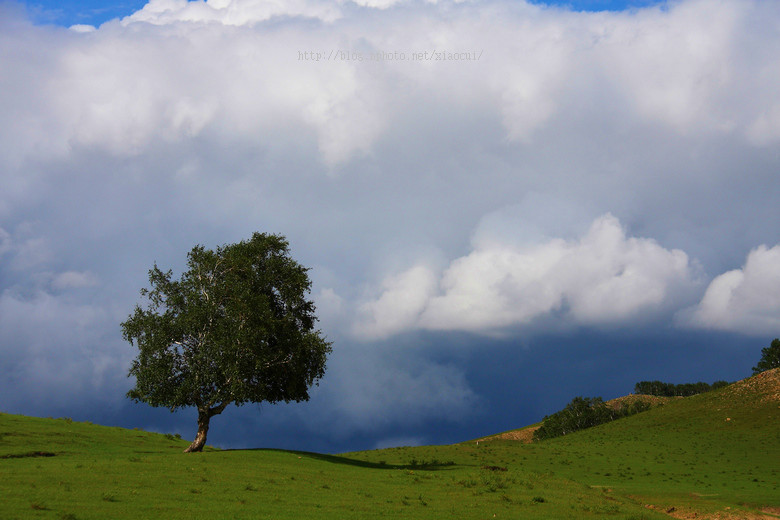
[
  {"x": 687, "y": 513},
  {"x": 627, "y": 400},
  {"x": 525, "y": 436},
  {"x": 764, "y": 386}
]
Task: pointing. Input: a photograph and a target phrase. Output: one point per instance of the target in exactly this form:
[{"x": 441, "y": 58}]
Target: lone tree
[
  {"x": 235, "y": 328},
  {"x": 770, "y": 357}
]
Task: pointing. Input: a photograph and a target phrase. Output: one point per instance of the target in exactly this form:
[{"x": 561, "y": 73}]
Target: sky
[
  {"x": 67, "y": 13},
  {"x": 504, "y": 204}
]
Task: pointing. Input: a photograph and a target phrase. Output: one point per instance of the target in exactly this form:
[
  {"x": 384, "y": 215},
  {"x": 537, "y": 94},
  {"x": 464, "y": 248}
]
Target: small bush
[
  {"x": 495, "y": 481},
  {"x": 468, "y": 483}
]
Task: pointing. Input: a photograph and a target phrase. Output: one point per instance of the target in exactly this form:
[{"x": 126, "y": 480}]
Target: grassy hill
[{"x": 714, "y": 455}]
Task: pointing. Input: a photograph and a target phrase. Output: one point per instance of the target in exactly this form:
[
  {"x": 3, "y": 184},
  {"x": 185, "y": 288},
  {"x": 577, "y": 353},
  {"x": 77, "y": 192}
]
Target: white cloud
[
  {"x": 744, "y": 300},
  {"x": 73, "y": 280},
  {"x": 404, "y": 296},
  {"x": 604, "y": 277},
  {"x": 232, "y": 12},
  {"x": 671, "y": 64},
  {"x": 82, "y": 28},
  {"x": 165, "y": 74}
]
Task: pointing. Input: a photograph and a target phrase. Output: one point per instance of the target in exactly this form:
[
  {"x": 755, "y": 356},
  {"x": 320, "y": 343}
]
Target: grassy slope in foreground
[
  {"x": 97, "y": 472},
  {"x": 685, "y": 455}
]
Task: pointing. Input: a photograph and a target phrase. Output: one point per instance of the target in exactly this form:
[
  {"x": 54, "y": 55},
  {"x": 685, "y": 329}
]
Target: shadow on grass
[
  {"x": 434, "y": 465},
  {"x": 28, "y": 454}
]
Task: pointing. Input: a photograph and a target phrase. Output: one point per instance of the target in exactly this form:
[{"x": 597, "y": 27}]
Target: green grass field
[{"x": 714, "y": 455}]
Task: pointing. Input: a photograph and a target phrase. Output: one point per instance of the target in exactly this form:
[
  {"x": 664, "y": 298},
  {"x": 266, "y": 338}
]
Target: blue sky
[
  {"x": 68, "y": 12},
  {"x": 90, "y": 12},
  {"x": 553, "y": 204}
]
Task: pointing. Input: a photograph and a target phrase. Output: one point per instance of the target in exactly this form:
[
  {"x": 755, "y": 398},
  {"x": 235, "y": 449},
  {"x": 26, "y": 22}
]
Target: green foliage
[
  {"x": 235, "y": 328},
  {"x": 770, "y": 357},
  {"x": 672, "y": 390},
  {"x": 719, "y": 384},
  {"x": 585, "y": 412},
  {"x": 633, "y": 408},
  {"x": 580, "y": 413}
]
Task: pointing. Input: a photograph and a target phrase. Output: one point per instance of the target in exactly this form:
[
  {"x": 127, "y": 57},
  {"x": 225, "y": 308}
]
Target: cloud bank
[
  {"x": 744, "y": 300},
  {"x": 604, "y": 277},
  {"x": 175, "y": 70}
]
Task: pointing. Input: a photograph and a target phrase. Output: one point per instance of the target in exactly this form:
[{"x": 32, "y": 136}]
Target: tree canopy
[
  {"x": 585, "y": 412},
  {"x": 662, "y": 389},
  {"x": 770, "y": 357},
  {"x": 237, "y": 327}
]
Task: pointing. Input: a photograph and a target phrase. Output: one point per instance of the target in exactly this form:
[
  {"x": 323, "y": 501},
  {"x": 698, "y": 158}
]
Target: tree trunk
[{"x": 204, "y": 416}]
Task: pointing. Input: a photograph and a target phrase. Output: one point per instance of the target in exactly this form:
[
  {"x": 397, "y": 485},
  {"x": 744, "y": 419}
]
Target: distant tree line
[
  {"x": 671, "y": 390},
  {"x": 584, "y": 412}
]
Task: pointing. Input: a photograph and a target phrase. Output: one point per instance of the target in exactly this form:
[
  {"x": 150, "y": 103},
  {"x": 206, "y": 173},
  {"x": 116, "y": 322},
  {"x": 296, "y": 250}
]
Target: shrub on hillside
[{"x": 585, "y": 412}]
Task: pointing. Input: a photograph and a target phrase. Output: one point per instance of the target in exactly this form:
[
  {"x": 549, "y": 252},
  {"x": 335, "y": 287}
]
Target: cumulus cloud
[
  {"x": 231, "y": 12},
  {"x": 604, "y": 277},
  {"x": 744, "y": 300},
  {"x": 176, "y": 68},
  {"x": 404, "y": 296}
]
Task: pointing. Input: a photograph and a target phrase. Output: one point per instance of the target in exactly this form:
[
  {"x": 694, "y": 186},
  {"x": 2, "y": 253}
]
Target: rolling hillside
[
  {"x": 709, "y": 456},
  {"x": 700, "y": 454}
]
